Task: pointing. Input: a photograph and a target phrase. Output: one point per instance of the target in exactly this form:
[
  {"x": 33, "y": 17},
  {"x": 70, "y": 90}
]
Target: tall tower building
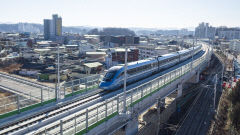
[
  {"x": 59, "y": 26},
  {"x": 53, "y": 28},
  {"x": 47, "y": 25}
]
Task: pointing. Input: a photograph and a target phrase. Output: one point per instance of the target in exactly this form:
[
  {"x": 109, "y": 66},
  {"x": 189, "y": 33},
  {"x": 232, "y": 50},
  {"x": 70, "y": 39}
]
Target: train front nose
[{"x": 104, "y": 85}]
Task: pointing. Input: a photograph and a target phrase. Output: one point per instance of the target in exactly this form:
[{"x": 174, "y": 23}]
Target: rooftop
[
  {"x": 95, "y": 53},
  {"x": 71, "y": 45},
  {"x": 93, "y": 64},
  {"x": 119, "y": 49},
  {"x": 44, "y": 42},
  {"x": 42, "y": 50}
]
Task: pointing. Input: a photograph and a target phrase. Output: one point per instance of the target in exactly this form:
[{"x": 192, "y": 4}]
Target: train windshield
[{"x": 109, "y": 76}]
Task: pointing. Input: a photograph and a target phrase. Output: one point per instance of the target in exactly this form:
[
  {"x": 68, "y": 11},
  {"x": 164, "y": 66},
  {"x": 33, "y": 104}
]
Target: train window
[
  {"x": 131, "y": 71},
  {"x": 139, "y": 69},
  {"x": 148, "y": 66},
  {"x": 134, "y": 70},
  {"x": 155, "y": 64},
  {"x": 120, "y": 74},
  {"x": 109, "y": 75},
  {"x": 161, "y": 62}
]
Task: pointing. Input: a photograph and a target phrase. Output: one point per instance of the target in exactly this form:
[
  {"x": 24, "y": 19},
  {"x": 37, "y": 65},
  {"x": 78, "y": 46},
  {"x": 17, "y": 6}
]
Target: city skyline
[{"x": 133, "y": 13}]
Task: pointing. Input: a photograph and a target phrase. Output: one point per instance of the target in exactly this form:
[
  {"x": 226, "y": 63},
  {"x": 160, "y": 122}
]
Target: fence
[
  {"x": 42, "y": 95},
  {"x": 80, "y": 86},
  {"x": 15, "y": 103}
]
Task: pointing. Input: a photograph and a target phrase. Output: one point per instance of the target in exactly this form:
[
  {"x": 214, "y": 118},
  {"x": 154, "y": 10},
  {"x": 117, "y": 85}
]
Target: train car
[
  {"x": 135, "y": 70},
  {"x": 168, "y": 60},
  {"x": 138, "y": 70}
]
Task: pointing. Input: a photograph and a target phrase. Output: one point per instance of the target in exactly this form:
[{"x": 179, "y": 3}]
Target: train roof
[
  {"x": 165, "y": 56},
  {"x": 115, "y": 68},
  {"x": 133, "y": 64},
  {"x": 183, "y": 51},
  {"x": 139, "y": 63},
  {"x": 191, "y": 48},
  {"x": 150, "y": 60}
]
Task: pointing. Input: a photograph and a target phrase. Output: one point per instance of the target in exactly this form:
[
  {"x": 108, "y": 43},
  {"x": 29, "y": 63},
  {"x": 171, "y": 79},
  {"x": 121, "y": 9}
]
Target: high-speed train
[{"x": 138, "y": 70}]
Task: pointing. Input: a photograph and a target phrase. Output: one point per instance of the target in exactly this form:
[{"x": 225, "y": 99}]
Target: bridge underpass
[{"x": 96, "y": 120}]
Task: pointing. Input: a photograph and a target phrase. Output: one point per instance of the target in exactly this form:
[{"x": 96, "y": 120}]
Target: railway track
[
  {"x": 47, "y": 114},
  {"x": 195, "y": 122}
]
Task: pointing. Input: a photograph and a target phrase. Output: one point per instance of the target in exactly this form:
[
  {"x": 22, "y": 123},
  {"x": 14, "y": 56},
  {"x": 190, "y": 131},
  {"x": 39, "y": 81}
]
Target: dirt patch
[
  {"x": 6, "y": 98},
  {"x": 4, "y": 94},
  {"x": 11, "y": 68}
]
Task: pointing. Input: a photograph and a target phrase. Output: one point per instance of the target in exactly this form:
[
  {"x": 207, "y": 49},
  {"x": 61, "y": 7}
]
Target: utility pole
[
  {"x": 125, "y": 81},
  {"x": 192, "y": 54},
  {"x": 222, "y": 73},
  {"x": 58, "y": 74},
  {"x": 215, "y": 89},
  {"x": 159, "y": 104}
]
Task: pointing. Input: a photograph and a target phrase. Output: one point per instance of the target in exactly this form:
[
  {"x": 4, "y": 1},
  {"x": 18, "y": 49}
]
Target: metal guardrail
[
  {"x": 24, "y": 81},
  {"x": 17, "y": 104},
  {"x": 81, "y": 85},
  {"x": 85, "y": 120}
]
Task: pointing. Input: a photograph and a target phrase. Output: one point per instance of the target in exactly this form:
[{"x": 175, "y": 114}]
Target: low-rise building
[
  {"x": 43, "y": 44},
  {"x": 96, "y": 56},
  {"x": 92, "y": 68},
  {"x": 151, "y": 51},
  {"x": 235, "y": 46},
  {"x": 30, "y": 55},
  {"x": 70, "y": 48},
  {"x": 83, "y": 48},
  {"x": 117, "y": 56}
]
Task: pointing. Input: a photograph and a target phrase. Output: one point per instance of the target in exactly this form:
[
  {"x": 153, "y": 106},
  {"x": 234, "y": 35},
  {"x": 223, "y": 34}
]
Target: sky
[{"x": 124, "y": 13}]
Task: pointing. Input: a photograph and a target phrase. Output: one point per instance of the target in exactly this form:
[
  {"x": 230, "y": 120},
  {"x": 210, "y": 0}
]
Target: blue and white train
[{"x": 138, "y": 70}]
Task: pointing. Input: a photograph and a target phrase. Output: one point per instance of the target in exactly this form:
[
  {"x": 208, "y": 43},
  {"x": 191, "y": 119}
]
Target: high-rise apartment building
[
  {"x": 235, "y": 45},
  {"x": 228, "y": 33},
  {"x": 53, "y": 28},
  {"x": 204, "y": 30}
]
